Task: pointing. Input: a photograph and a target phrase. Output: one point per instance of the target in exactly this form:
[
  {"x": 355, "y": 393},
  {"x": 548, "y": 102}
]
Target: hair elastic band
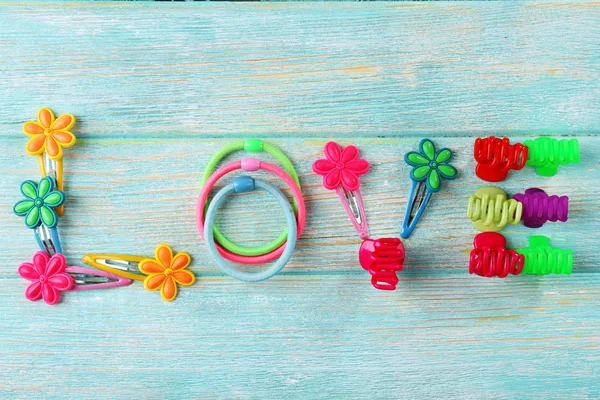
[
  {"x": 245, "y": 184},
  {"x": 277, "y": 248}
]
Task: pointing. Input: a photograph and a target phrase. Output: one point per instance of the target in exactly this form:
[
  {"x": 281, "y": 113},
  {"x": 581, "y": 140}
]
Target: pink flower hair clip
[{"x": 340, "y": 171}]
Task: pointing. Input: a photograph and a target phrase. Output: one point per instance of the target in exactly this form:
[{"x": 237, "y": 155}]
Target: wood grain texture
[{"x": 157, "y": 89}]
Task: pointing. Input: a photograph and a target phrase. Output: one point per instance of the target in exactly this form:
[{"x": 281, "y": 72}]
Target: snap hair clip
[
  {"x": 490, "y": 257},
  {"x": 490, "y": 211},
  {"x": 547, "y": 154},
  {"x": 538, "y": 207},
  {"x": 495, "y": 157},
  {"x": 48, "y": 136},
  {"x": 382, "y": 258},
  {"x": 245, "y": 184},
  {"x": 541, "y": 259},
  {"x": 38, "y": 207},
  {"x": 163, "y": 272},
  {"x": 49, "y": 275},
  {"x": 340, "y": 171},
  {"x": 429, "y": 168}
]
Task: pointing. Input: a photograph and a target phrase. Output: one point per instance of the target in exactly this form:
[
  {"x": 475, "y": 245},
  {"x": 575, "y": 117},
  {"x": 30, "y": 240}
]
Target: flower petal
[
  {"x": 56, "y": 265},
  {"x": 55, "y": 198},
  {"x": 415, "y": 159},
  {"x": 61, "y": 281},
  {"x": 150, "y": 266},
  {"x": 46, "y": 117},
  {"x": 50, "y": 294},
  {"x": 164, "y": 255},
  {"x": 40, "y": 260},
  {"x": 332, "y": 180},
  {"x": 180, "y": 261},
  {"x": 34, "y": 291},
  {"x": 44, "y": 187},
  {"x": 350, "y": 153},
  {"x": 29, "y": 190},
  {"x": 359, "y": 167},
  {"x": 49, "y": 217},
  {"x": 419, "y": 173},
  {"x": 64, "y": 122},
  {"x": 447, "y": 171},
  {"x": 350, "y": 180},
  {"x": 36, "y": 145},
  {"x": 322, "y": 167},
  {"x": 434, "y": 180},
  {"x": 32, "y": 219},
  {"x": 184, "y": 277},
  {"x": 33, "y": 128},
  {"x": 169, "y": 289},
  {"x": 443, "y": 156},
  {"x": 428, "y": 149},
  {"x": 21, "y": 207},
  {"x": 66, "y": 139},
  {"x": 54, "y": 150},
  {"x": 333, "y": 152},
  {"x": 154, "y": 281},
  {"x": 27, "y": 271}
]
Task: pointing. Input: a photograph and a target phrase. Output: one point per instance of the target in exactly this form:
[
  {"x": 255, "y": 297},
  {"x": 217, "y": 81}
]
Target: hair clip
[
  {"x": 163, "y": 272},
  {"x": 48, "y": 137},
  {"x": 538, "y": 207},
  {"x": 546, "y": 154},
  {"x": 382, "y": 258},
  {"x": 495, "y": 157},
  {"x": 490, "y": 211},
  {"x": 430, "y": 167},
  {"x": 340, "y": 171},
  {"x": 541, "y": 259},
  {"x": 38, "y": 208},
  {"x": 50, "y": 275},
  {"x": 490, "y": 257}
]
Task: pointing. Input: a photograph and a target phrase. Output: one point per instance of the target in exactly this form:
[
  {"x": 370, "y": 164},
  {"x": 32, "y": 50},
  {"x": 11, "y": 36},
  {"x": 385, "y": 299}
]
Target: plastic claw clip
[
  {"x": 546, "y": 154},
  {"x": 382, "y": 258},
  {"x": 538, "y": 207},
  {"x": 541, "y": 259},
  {"x": 340, "y": 171},
  {"x": 429, "y": 169},
  {"x": 495, "y": 157},
  {"x": 490, "y": 211},
  {"x": 490, "y": 257}
]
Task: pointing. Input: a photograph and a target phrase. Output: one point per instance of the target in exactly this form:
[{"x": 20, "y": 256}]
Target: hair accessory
[
  {"x": 538, "y": 207},
  {"x": 430, "y": 167},
  {"x": 230, "y": 250},
  {"x": 490, "y": 257},
  {"x": 38, "y": 209},
  {"x": 490, "y": 211},
  {"x": 546, "y": 154},
  {"x": 541, "y": 259},
  {"x": 340, "y": 171},
  {"x": 48, "y": 137},
  {"x": 245, "y": 184},
  {"x": 117, "y": 264},
  {"x": 382, "y": 258},
  {"x": 495, "y": 157}
]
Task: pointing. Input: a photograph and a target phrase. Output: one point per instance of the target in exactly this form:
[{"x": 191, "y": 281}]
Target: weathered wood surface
[{"x": 157, "y": 89}]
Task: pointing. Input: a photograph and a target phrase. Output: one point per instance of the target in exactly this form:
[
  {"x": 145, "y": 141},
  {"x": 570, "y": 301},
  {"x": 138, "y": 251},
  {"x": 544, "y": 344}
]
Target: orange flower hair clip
[{"x": 48, "y": 135}]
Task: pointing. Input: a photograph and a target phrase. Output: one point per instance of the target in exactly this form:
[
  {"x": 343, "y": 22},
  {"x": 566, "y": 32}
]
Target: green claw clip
[
  {"x": 541, "y": 259},
  {"x": 547, "y": 154}
]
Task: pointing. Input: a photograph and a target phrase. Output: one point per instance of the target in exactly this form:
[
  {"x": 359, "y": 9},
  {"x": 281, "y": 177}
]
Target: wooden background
[{"x": 158, "y": 88}]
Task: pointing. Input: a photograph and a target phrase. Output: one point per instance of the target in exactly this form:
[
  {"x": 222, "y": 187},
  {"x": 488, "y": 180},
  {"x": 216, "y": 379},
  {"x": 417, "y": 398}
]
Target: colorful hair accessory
[
  {"x": 340, "y": 171},
  {"x": 546, "y": 154},
  {"x": 382, "y": 258},
  {"x": 495, "y": 157},
  {"x": 230, "y": 250},
  {"x": 541, "y": 259},
  {"x": 490, "y": 257},
  {"x": 38, "y": 208},
  {"x": 48, "y": 137},
  {"x": 118, "y": 264},
  {"x": 430, "y": 167},
  {"x": 245, "y": 184},
  {"x": 538, "y": 207},
  {"x": 490, "y": 211}
]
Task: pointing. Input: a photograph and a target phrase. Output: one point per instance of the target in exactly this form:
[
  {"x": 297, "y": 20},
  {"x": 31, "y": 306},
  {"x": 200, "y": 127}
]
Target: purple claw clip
[{"x": 538, "y": 207}]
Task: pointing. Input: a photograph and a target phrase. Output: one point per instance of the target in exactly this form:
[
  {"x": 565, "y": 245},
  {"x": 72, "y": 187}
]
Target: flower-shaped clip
[
  {"x": 163, "y": 272},
  {"x": 429, "y": 168},
  {"x": 38, "y": 207},
  {"x": 340, "y": 171},
  {"x": 49, "y": 135},
  {"x": 50, "y": 275}
]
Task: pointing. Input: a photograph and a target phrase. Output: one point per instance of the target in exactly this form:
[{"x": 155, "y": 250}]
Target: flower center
[
  {"x": 433, "y": 164},
  {"x": 42, "y": 279},
  {"x": 168, "y": 272},
  {"x": 38, "y": 202},
  {"x": 48, "y": 131},
  {"x": 339, "y": 165}
]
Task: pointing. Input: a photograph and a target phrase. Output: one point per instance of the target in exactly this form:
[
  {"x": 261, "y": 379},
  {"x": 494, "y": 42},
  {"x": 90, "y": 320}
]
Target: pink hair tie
[{"x": 249, "y": 164}]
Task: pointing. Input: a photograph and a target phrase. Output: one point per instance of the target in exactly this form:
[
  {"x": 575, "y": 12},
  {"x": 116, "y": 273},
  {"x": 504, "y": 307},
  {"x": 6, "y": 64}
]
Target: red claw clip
[
  {"x": 491, "y": 258},
  {"x": 495, "y": 157},
  {"x": 382, "y": 258}
]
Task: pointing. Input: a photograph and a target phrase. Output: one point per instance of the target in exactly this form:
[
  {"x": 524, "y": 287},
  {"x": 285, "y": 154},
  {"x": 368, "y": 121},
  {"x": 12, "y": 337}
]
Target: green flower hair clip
[{"x": 39, "y": 204}]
